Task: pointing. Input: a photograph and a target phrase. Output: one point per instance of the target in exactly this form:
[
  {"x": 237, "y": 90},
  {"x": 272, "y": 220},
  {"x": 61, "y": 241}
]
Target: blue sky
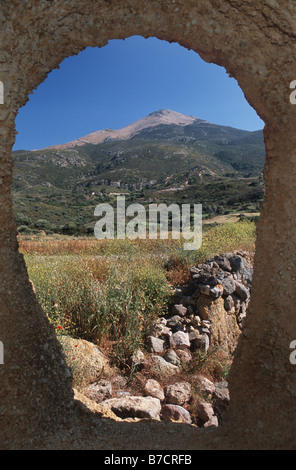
[{"x": 124, "y": 81}]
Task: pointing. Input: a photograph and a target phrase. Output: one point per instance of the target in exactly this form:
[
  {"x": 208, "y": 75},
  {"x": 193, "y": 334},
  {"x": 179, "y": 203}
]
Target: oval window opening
[{"x": 136, "y": 141}]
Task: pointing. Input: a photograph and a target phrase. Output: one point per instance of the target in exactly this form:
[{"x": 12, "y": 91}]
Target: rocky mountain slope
[
  {"x": 163, "y": 157},
  {"x": 162, "y": 117}
]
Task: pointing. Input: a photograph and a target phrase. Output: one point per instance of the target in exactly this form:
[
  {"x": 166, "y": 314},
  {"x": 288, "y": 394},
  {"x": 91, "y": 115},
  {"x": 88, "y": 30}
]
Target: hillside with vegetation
[
  {"x": 165, "y": 157},
  {"x": 148, "y": 329}
]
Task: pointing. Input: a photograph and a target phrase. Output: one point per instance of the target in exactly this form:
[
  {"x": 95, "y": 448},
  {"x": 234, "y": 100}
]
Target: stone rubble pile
[
  {"x": 210, "y": 312},
  {"x": 169, "y": 403}
]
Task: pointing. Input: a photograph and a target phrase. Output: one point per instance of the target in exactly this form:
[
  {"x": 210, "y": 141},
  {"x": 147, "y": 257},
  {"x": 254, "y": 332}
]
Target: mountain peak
[
  {"x": 157, "y": 118},
  {"x": 168, "y": 113},
  {"x": 162, "y": 112}
]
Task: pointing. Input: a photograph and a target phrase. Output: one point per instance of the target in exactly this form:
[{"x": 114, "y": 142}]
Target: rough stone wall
[{"x": 255, "y": 42}]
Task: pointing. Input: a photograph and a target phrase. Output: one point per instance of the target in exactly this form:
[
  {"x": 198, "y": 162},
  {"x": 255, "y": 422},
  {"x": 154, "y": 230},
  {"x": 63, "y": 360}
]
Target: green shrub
[
  {"x": 119, "y": 307},
  {"x": 113, "y": 290},
  {"x": 22, "y": 219},
  {"x": 43, "y": 224},
  {"x": 226, "y": 238}
]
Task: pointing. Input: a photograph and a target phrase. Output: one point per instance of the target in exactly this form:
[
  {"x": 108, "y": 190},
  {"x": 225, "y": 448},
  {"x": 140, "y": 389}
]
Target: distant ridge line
[{"x": 156, "y": 118}]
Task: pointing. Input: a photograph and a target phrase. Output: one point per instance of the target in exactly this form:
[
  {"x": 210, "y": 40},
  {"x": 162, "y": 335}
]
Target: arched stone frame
[{"x": 255, "y": 42}]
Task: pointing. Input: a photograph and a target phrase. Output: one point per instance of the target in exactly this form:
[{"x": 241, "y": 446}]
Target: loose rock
[
  {"x": 154, "y": 389},
  {"x": 179, "y": 310},
  {"x": 205, "y": 385},
  {"x": 162, "y": 367},
  {"x": 221, "y": 397},
  {"x": 171, "y": 357},
  {"x": 137, "y": 359},
  {"x": 179, "y": 340},
  {"x": 155, "y": 345},
  {"x": 98, "y": 391},
  {"x": 134, "y": 407},
  {"x": 178, "y": 393},
  {"x": 176, "y": 413},
  {"x": 205, "y": 411},
  {"x": 184, "y": 355}
]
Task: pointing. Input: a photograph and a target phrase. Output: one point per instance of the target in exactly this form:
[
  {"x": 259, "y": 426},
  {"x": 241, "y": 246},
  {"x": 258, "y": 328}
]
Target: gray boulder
[
  {"x": 216, "y": 291},
  {"x": 173, "y": 321},
  {"x": 205, "y": 289},
  {"x": 179, "y": 340},
  {"x": 229, "y": 304},
  {"x": 137, "y": 359},
  {"x": 163, "y": 368},
  {"x": 205, "y": 385},
  {"x": 212, "y": 422},
  {"x": 223, "y": 261},
  {"x": 154, "y": 389},
  {"x": 179, "y": 310},
  {"x": 175, "y": 413},
  {"x": 221, "y": 397},
  {"x": 157, "y": 328},
  {"x": 184, "y": 355},
  {"x": 242, "y": 291},
  {"x": 171, "y": 357},
  {"x": 205, "y": 411},
  {"x": 228, "y": 285},
  {"x": 155, "y": 345},
  {"x": 98, "y": 391},
  {"x": 199, "y": 341},
  {"x": 178, "y": 393},
  {"x": 242, "y": 269}
]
